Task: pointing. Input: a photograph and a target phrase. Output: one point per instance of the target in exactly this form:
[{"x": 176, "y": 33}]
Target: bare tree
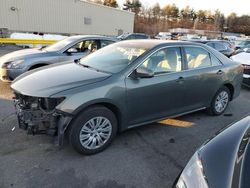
[{"x": 110, "y": 3}]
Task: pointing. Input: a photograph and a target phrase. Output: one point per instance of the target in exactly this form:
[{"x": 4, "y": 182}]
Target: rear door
[{"x": 204, "y": 76}]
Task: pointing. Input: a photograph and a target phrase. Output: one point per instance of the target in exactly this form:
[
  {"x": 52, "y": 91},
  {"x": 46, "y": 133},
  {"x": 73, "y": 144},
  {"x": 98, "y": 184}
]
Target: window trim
[{"x": 184, "y": 61}]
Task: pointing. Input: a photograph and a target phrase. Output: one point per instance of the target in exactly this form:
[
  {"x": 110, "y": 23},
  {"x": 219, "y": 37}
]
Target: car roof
[
  {"x": 138, "y": 34},
  {"x": 203, "y": 41},
  {"x": 151, "y": 43},
  {"x": 78, "y": 37}
]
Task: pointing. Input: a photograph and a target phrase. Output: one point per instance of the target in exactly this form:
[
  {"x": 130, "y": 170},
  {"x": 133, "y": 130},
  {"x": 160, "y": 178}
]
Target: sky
[{"x": 225, "y": 6}]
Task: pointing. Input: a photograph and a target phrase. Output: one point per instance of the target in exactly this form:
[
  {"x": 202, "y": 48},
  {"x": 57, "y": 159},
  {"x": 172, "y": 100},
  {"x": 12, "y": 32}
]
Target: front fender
[{"x": 78, "y": 99}]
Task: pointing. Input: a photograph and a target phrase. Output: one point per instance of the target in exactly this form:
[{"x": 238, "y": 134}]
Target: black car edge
[{"x": 223, "y": 161}]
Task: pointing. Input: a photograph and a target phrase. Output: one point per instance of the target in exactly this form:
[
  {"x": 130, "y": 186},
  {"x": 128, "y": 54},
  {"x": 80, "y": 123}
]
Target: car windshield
[
  {"x": 59, "y": 45},
  {"x": 113, "y": 58}
]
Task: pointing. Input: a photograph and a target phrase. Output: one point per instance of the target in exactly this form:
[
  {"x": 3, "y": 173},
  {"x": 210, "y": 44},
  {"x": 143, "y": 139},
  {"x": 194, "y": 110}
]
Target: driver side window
[{"x": 164, "y": 61}]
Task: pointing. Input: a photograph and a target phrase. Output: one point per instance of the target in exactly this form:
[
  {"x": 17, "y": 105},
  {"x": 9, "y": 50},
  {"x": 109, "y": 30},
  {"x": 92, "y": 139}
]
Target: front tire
[
  {"x": 93, "y": 130},
  {"x": 220, "y": 101}
]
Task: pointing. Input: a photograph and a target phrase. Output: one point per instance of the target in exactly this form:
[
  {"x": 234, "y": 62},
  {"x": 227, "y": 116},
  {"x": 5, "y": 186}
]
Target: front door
[{"x": 160, "y": 96}]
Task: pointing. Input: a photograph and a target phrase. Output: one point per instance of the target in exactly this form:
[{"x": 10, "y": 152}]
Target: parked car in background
[
  {"x": 163, "y": 36},
  {"x": 133, "y": 36},
  {"x": 71, "y": 48},
  {"x": 225, "y": 47},
  {"x": 123, "y": 85},
  {"x": 243, "y": 49},
  {"x": 244, "y": 59},
  {"x": 222, "y": 161},
  {"x": 243, "y": 44}
]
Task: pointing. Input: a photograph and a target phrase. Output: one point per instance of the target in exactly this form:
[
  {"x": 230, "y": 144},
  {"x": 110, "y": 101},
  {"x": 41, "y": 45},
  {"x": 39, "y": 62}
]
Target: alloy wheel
[
  {"x": 221, "y": 101},
  {"x": 95, "y": 132}
]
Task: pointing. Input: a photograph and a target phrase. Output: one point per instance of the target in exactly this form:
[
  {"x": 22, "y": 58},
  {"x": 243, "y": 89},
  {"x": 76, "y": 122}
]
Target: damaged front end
[{"x": 38, "y": 115}]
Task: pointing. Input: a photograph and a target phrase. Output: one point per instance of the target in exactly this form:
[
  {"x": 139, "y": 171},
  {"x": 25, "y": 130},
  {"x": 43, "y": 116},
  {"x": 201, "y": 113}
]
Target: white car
[
  {"x": 244, "y": 59},
  {"x": 163, "y": 36}
]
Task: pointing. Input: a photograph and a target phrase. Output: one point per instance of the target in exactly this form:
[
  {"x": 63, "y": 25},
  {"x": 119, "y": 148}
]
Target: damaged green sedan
[{"x": 126, "y": 84}]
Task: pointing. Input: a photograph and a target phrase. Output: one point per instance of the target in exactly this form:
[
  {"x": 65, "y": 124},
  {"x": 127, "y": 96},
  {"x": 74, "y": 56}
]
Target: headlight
[
  {"x": 18, "y": 64},
  {"x": 5, "y": 65},
  {"x": 193, "y": 175}
]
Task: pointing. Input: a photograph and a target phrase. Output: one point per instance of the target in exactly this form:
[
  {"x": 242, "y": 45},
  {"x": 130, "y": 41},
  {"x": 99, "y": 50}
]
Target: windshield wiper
[
  {"x": 42, "y": 47},
  {"x": 89, "y": 67}
]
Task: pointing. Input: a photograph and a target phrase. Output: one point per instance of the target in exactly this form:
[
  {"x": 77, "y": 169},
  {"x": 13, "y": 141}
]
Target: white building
[{"x": 64, "y": 17}]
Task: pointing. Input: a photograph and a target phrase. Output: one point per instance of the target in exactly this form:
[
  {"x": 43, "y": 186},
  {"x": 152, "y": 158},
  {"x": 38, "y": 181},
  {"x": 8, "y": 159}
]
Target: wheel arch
[
  {"x": 37, "y": 65},
  {"x": 109, "y": 105},
  {"x": 231, "y": 89}
]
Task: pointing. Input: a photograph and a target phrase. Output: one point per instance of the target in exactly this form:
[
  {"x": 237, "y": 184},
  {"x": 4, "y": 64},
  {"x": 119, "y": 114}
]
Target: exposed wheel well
[
  {"x": 37, "y": 66},
  {"x": 231, "y": 89}
]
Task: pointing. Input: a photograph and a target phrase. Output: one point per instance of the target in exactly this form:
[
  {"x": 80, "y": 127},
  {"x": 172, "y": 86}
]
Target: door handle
[
  {"x": 180, "y": 79},
  {"x": 220, "y": 72}
]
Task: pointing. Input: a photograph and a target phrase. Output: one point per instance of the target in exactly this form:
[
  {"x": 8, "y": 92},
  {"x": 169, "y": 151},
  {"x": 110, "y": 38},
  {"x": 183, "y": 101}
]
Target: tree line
[{"x": 154, "y": 19}]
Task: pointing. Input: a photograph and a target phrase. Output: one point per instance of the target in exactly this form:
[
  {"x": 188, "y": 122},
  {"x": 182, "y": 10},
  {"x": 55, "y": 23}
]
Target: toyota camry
[{"x": 121, "y": 86}]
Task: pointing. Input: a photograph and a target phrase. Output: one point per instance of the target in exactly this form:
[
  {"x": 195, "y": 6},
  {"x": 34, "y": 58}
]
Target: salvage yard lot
[{"x": 148, "y": 156}]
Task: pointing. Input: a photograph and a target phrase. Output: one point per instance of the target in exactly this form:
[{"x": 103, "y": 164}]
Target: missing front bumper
[{"x": 39, "y": 116}]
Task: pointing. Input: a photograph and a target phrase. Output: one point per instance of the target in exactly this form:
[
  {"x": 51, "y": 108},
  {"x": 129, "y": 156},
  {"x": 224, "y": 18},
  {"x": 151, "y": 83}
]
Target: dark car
[
  {"x": 223, "y": 161},
  {"x": 71, "y": 48},
  {"x": 225, "y": 47},
  {"x": 133, "y": 36},
  {"x": 124, "y": 85}
]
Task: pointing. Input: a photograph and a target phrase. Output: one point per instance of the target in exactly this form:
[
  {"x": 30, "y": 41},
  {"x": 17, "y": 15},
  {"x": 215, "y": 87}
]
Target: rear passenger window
[
  {"x": 215, "y": 61},
  {"x": 197, "y": 57}
]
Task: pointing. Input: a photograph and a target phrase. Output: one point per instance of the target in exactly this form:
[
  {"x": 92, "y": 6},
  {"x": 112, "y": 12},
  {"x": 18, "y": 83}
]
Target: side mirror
[
  {"x": 247, "y": 50},
  {"x": 72, "y": 50},
  {"x": 142, "y": 72}
]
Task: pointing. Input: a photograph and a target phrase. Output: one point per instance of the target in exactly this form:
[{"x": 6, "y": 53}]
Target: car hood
[
  {"x": 49, "y": 80},
  {"x": 243, "y": 58},
  {"x": 21, "y": 54},
  {"x": 222, "y": 156}
]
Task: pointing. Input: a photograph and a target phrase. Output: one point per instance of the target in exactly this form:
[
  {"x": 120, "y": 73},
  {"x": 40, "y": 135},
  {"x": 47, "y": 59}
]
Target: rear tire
[
  {"x": 93, "y": 130},
  {"x": 220, "y": 101}
]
